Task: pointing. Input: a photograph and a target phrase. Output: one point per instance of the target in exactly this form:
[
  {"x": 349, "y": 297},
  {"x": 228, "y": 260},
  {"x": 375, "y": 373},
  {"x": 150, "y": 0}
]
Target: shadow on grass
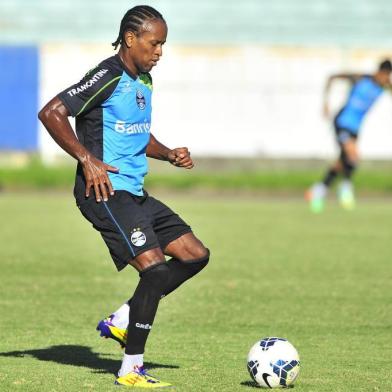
[
  {"x": 252, "y": 384},
  {"x": 79, "y": 356}
]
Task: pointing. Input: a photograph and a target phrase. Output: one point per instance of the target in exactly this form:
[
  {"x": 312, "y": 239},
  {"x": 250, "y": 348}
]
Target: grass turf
[
  {"x": 322, "y": 281},
  {"x": 230, "y": 175}
]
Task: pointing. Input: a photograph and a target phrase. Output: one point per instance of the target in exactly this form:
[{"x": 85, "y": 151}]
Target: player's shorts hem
[
  {"x": 343, "y": 135},
  {"x": 185, "y": 230},
  {"x": 138, "y": 252},
  {"x": 120, "y": 264}
]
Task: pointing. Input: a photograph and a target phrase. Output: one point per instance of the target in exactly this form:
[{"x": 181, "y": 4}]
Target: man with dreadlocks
[{"x": 112, "y": 106}]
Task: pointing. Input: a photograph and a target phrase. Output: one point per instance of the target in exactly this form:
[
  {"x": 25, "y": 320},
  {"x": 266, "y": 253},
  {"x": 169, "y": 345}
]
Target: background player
[
  {"x": 112, "y": 106},
  {"x": 366, "y": 89}
]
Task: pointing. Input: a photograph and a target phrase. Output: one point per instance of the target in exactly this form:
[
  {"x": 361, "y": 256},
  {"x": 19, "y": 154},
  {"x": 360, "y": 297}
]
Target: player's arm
[
  {"x": 350, "y": 77},
  {"x": 54, "y": 116},
  {"x": 180, "y": 156}
]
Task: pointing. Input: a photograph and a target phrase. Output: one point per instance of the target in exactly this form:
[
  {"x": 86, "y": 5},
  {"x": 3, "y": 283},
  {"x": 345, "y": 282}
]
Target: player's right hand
[{"x": 95, "y": 173}]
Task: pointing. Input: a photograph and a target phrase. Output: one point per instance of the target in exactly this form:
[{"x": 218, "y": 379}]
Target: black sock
[
  {"x": 144, "y": 305},
  {"x": 349, "y": 169},
  {"x": 330, "y": 176},
  {"x": 181, "y": 271}
]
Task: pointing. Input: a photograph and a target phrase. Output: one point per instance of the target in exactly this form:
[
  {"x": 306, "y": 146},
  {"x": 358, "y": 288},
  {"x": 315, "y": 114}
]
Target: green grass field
[
  {"x": 322, "y": 281},
  {"x": 209, "y": 174}
]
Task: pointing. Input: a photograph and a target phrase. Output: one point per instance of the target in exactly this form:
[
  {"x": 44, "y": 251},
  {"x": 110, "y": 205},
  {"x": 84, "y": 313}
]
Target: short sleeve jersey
[
  {"x": 361, "y": 98},
  {"x": 113, "y": 119}
]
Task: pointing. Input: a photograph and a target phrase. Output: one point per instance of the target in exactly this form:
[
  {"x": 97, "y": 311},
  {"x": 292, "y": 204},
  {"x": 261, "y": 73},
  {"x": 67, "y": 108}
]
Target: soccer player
[
  {"x": 365, "y": 90},
  {"x": 112, "y": 106}
]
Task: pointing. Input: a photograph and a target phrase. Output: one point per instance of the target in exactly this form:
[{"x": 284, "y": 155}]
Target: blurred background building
[{"x": 238, "y": 78}]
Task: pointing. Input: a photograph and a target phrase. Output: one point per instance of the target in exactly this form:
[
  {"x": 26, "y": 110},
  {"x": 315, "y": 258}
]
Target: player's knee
[
  {"x": 350, "y": 159},
  {"x": 198, "y": 251},
  {"x": 156, "y": 276},
  {"x": 196, "y": 265}
]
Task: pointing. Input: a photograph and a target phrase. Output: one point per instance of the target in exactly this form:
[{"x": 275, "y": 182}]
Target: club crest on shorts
[
  {"x": 140, "y": 100},
  {"x": 138, "y": 238}
]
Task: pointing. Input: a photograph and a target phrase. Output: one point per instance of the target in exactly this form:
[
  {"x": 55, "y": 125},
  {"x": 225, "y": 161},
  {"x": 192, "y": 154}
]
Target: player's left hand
[{"x": 180, "y": 157}]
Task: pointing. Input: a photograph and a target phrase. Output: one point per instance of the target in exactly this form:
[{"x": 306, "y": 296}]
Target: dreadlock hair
[
  {"x": 133, "y": 21},
  {"x": 386, "y": 65}
]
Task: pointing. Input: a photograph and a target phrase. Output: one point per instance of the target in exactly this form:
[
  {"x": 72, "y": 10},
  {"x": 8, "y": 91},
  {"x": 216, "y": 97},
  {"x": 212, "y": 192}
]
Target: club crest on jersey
[
  {"x": 138, "y": 238},
  {"x": 140, "y": 100}
]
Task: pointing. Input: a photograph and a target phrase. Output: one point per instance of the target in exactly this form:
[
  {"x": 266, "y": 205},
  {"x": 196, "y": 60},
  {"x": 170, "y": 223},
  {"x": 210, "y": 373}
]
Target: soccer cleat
[
  {"x": 315, "y": 199},
  {"x": 347, "y": 200},
  {"x": 139, "y": 378},
  {"x": 109, "y": 330}
]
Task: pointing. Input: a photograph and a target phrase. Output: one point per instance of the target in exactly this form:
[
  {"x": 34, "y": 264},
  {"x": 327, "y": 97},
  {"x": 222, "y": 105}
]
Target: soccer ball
[{"x": 273, "y": 363}]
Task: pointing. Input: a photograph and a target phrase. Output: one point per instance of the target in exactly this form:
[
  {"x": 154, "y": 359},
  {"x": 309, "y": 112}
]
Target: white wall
[{"x": 238, "y": 101}]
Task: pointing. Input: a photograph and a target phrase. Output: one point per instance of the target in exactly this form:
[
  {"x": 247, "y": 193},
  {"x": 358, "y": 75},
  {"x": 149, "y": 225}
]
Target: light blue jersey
[
  {"x": 113, "y": 120},
  {"x": 126, "y": 133},
  {"x": 362, "y": 96}
]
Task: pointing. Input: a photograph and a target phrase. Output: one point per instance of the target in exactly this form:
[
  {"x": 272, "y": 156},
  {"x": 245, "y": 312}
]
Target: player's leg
[
  {"x": 154, "y": 273},
  {"x": 158, "y": 278},
  {"x": 317, "y": 193},
  {"x": 189, "y": 257},
  {"x": 332, "y": 173},
  {"x": 349, "y": 160}
]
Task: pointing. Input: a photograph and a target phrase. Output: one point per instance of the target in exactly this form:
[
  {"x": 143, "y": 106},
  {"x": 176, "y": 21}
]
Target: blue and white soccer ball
[{"x": 273, "y": 363}]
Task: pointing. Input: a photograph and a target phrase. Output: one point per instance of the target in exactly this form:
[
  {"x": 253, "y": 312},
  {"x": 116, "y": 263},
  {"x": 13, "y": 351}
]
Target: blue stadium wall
[{"x": 19, "y": 79}]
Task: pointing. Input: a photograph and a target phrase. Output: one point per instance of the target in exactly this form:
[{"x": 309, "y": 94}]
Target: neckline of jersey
[{"x": 125, "y": 68}]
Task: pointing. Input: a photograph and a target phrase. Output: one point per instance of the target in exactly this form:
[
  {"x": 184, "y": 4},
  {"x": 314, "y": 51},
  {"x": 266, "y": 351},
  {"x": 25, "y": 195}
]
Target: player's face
[
  {"x": 384, "y": 77},
  {"x": 146, "y": 48}
]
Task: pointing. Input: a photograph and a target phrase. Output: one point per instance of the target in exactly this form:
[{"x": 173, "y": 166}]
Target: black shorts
[
  {"x": 343, "y": 135},
  {"x": 131, "y": 225}
]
